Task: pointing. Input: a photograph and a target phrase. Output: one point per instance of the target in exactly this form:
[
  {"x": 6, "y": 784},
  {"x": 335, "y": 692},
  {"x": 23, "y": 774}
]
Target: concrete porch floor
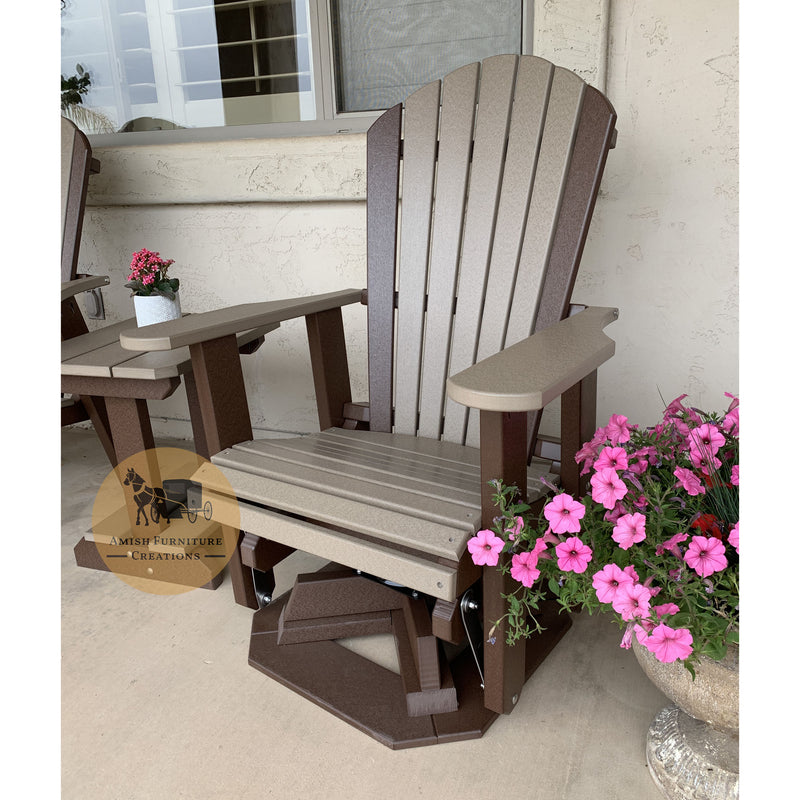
[{"x": 158, "y": 701}]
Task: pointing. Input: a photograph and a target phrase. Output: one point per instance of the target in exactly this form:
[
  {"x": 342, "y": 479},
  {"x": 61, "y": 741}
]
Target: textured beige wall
[{"x": 250, "y": 219}]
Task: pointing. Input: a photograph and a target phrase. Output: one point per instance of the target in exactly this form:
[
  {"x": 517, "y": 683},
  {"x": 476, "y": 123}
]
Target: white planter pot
[{"x": 155, "y": 308}]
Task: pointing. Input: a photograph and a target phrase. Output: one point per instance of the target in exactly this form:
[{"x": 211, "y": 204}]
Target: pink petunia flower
[
  {"x": 573, "y": 555},
  {"x": 607, "y": 581},
  {"x": 669, "y": 644},
  {"x": 485, "y": 548},
  {"x": 735, "y": 475},
  {"x": 517, "y": 529},
  {"x": 612, "y": 458},
  {"x": 629, "y": 530},
  {"x": 632, "y": 600},
  {"x": 704, "y": 442},
  {"x": 523, "y": 568},
  {"x": 564, "y": 514},
  {"x": 689, "y": 480},
  {"x": 733, "y": 537},
  {"x": 607, "y": 488},
  {"x": 672, "y": 545},
  {"x": 731, "y": 422},
  {"x": 706, "y": 555},
  {"x": 617, "y": 429}
]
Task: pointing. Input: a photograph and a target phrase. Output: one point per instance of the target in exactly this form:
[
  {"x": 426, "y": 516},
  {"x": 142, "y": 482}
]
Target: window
[{"x": 204, "y": 64}]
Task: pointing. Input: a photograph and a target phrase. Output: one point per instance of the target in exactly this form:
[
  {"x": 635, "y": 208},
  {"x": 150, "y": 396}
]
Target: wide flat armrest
[
  {"x": 196, "y": 328},
  {"x": 531, "y": 373},
  {"x": 83, "y": 284}
]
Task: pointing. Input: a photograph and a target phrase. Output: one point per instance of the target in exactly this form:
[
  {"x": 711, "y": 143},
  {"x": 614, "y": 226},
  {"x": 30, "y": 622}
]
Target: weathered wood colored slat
[
  {"x": 593, "y": 138},
  {"x": 401, "y": 495},
  {"x": 440, "y": 538},
  {"x": 71, "y": 348},
  {"x": 531, "y": 93},
  {"x": 498, "y": 76},
  {"x": 420, "y": 129},
  {"x": 82, "y": 284},
  {"x": 372, "y": 557},
  {"x": 383, "y": 160},
  {"x": 324, "y": 464},
  {"x": 556, "y": 150},
  {"x": 197, "y": 328},
  {"x": 100, "y": 354},
  {"x": 459, "y": 93}
]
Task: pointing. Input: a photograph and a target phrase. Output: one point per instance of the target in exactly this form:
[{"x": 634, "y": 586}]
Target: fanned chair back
[{"x": 478, "y": 200}]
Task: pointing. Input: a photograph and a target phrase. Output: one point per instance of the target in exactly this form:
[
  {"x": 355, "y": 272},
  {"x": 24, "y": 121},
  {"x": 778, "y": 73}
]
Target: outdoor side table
[{"x": 96, "y": 365}]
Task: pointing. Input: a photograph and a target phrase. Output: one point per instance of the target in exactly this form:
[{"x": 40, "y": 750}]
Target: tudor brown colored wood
[{"x": 470, "y": 272}]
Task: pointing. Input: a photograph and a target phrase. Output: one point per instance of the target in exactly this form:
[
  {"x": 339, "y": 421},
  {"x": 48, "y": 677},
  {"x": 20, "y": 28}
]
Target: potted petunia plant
[{"x": 655, "y": 542}]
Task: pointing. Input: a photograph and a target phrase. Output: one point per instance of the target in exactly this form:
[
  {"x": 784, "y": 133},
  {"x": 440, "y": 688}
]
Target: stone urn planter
[{"x": 693, "y": 745}]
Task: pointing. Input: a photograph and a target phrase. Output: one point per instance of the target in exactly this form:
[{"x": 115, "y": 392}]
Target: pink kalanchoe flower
[
  {"x": 612, "y": 458},
  {"x": 564, "y": 514},
  {"x": 733, "y": 537},
  {"x": 573, "y": 555},
  {"x": 706, "y": 555},
  {"x": 523, "y": 568},
  {"x": 689, "y": 480},
  {"x": 607, "y": 581},
  {"x": 632, "y": 600},
  {"x": 485, "y": 548},
  {"x": 629, "y": 530},
  {"x": 617, "y": 429},
  {"x": 607, "y": 488},
  {"x": 669, "y": 644},
  {"x": 735, "y": 475}
]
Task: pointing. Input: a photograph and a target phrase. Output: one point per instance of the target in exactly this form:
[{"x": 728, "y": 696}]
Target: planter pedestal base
[{"x": 690, "y": 760}]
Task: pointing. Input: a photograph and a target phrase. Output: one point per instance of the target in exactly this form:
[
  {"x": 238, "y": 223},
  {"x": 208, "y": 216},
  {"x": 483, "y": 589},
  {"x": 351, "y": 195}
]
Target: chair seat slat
[{"x": 381, "y": 467}]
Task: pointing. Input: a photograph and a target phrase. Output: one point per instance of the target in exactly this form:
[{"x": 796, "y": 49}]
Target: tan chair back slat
[
  {"x": 556, "y": 148},
  {"x": 459, "y": 95},
  {"x": 590, "y": 151},
  {"x": 420, "y": 132},
  {"x": 491, "y": 128}
]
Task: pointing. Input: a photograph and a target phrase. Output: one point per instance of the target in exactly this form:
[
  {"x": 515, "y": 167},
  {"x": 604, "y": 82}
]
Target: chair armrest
[
  {"x": 196, "y": 328},
  {"x": 531, "y": 373},
  {"x": 83, "y": 284}
]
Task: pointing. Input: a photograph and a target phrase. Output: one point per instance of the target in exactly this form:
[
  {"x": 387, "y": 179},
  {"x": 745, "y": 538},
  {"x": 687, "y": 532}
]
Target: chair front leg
[{"x": 503, "y": 457}]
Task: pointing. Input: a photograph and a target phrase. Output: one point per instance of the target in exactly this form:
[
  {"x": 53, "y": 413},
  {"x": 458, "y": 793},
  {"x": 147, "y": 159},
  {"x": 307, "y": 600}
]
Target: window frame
[{"x": 329, "y": 120}]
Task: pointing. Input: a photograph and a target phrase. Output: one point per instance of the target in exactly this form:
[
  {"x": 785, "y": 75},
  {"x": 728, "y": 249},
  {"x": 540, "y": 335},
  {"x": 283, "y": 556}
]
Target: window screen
[{"x": 385, "y": 49}]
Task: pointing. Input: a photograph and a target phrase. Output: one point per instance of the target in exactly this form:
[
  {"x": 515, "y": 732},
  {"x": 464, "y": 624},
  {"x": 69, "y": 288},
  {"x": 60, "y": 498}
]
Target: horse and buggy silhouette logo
[
  {"x": 154, "y": 524},
  {"x": 175, "y": 498}
]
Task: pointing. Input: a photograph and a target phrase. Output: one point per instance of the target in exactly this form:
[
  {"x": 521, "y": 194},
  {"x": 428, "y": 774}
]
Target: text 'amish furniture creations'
[{"x": 480, "y": 190}]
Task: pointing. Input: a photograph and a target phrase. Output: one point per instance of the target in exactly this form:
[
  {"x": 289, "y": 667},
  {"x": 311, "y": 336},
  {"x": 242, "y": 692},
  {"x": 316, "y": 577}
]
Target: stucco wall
[{"x": 249, "y": 219}]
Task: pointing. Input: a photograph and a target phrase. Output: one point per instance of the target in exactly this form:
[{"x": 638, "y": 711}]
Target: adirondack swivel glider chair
[{"x": 470, "y": 271}]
